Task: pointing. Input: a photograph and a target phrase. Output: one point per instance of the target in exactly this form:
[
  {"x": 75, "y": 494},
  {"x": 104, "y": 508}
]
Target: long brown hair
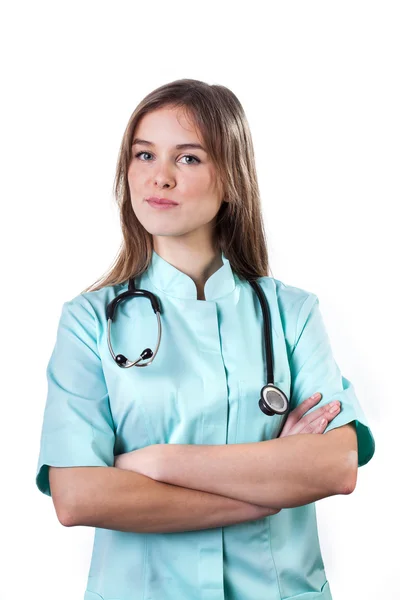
[{"x": 217, "y": 114}]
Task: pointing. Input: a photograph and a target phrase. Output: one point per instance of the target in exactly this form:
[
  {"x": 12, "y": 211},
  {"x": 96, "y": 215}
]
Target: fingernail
[
  {"x": 334, "y": 403},
  {"x": 316, "y": 395}
]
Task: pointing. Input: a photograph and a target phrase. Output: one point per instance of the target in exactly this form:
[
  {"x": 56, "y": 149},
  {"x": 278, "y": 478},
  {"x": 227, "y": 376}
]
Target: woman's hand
[{"x": 311, "y": 423}]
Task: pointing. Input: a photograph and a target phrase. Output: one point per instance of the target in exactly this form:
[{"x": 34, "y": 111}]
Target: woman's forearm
[
  {"x": 280, "y": 473},
  {"x": 114, "y": 498}
]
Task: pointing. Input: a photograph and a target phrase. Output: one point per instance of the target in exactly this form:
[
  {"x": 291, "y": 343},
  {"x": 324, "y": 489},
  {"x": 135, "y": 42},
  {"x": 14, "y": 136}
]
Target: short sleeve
[
  {"x": 77, "y": 425},
  {"x": 314, "y": 369}
]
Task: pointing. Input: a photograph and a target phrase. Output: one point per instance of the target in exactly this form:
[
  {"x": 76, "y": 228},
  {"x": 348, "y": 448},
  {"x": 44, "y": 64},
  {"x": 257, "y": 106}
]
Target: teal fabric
[{"x": 202, "y": 388}]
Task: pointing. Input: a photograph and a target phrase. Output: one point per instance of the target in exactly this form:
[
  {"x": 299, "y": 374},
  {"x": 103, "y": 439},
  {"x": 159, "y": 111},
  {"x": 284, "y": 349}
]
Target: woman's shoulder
[
  {"x": 293, "y": 303},
  {"x": 95, "y": 301},
  {"x": 287, "y": 295}
]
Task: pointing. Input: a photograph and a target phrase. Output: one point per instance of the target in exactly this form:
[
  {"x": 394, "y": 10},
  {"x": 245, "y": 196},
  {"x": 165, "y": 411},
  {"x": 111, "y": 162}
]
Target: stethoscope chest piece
[{"x": 273, "y": 401}]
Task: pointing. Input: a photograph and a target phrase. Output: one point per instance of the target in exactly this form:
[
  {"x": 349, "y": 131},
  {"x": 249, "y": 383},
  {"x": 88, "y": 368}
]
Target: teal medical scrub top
[{"x": 202, "y": 388}]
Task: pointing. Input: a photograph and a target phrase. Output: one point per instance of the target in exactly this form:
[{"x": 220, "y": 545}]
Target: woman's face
[{"x": 185, "y": 175}]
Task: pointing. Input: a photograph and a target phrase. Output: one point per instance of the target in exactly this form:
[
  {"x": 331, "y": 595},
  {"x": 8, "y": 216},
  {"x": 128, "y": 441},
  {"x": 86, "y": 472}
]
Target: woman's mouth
[{"x": 161, "y": 204}]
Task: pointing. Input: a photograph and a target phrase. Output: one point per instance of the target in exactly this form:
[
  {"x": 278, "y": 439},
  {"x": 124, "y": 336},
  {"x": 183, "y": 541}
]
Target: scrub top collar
[{"x": 173, "y": 282}]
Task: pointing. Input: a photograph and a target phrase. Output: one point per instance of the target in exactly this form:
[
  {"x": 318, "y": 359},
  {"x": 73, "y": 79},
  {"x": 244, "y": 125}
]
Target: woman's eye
[
  {"x": 139, "y": 153},
  {"x": 190, "y": 156},
  {"x": 185, "y": 156}
]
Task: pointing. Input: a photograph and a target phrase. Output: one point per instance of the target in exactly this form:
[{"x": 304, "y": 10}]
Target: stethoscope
[{"x": 273, "y": 401}]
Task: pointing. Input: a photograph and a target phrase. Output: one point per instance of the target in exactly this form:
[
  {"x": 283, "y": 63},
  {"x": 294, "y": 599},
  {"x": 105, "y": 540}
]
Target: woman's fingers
[
  {"x": 319, "y": 419},
  {"x": 296, "y": 414},
  {"x": 299, "y": 422}
]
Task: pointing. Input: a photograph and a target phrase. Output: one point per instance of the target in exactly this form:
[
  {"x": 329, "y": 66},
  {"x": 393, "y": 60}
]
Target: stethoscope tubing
[{"x": 273, "y": 400}]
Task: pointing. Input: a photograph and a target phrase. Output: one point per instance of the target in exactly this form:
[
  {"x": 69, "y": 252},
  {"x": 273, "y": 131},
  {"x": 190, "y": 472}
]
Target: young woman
[{"x": 200, "y": 479}]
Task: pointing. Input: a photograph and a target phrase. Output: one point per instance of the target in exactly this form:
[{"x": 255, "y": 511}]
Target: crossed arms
[
  {"x": 278, "y": 473},
  {"x": 173, "y": 487}
]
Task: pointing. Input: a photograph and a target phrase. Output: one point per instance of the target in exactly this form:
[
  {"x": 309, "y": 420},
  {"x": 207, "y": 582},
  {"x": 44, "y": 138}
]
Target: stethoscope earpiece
[{"x": 121, "y": 360}]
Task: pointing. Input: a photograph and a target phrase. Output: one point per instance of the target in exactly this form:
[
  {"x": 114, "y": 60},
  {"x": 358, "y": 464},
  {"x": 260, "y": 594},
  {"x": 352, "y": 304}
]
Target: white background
[{"x": 319, "y": 83}]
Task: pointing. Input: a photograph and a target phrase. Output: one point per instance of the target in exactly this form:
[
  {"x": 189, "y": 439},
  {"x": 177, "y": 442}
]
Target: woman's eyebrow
[{"x": 178, "y": 146}]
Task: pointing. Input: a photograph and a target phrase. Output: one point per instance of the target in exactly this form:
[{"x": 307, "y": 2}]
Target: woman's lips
[{"x": 161, "y": 205}]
